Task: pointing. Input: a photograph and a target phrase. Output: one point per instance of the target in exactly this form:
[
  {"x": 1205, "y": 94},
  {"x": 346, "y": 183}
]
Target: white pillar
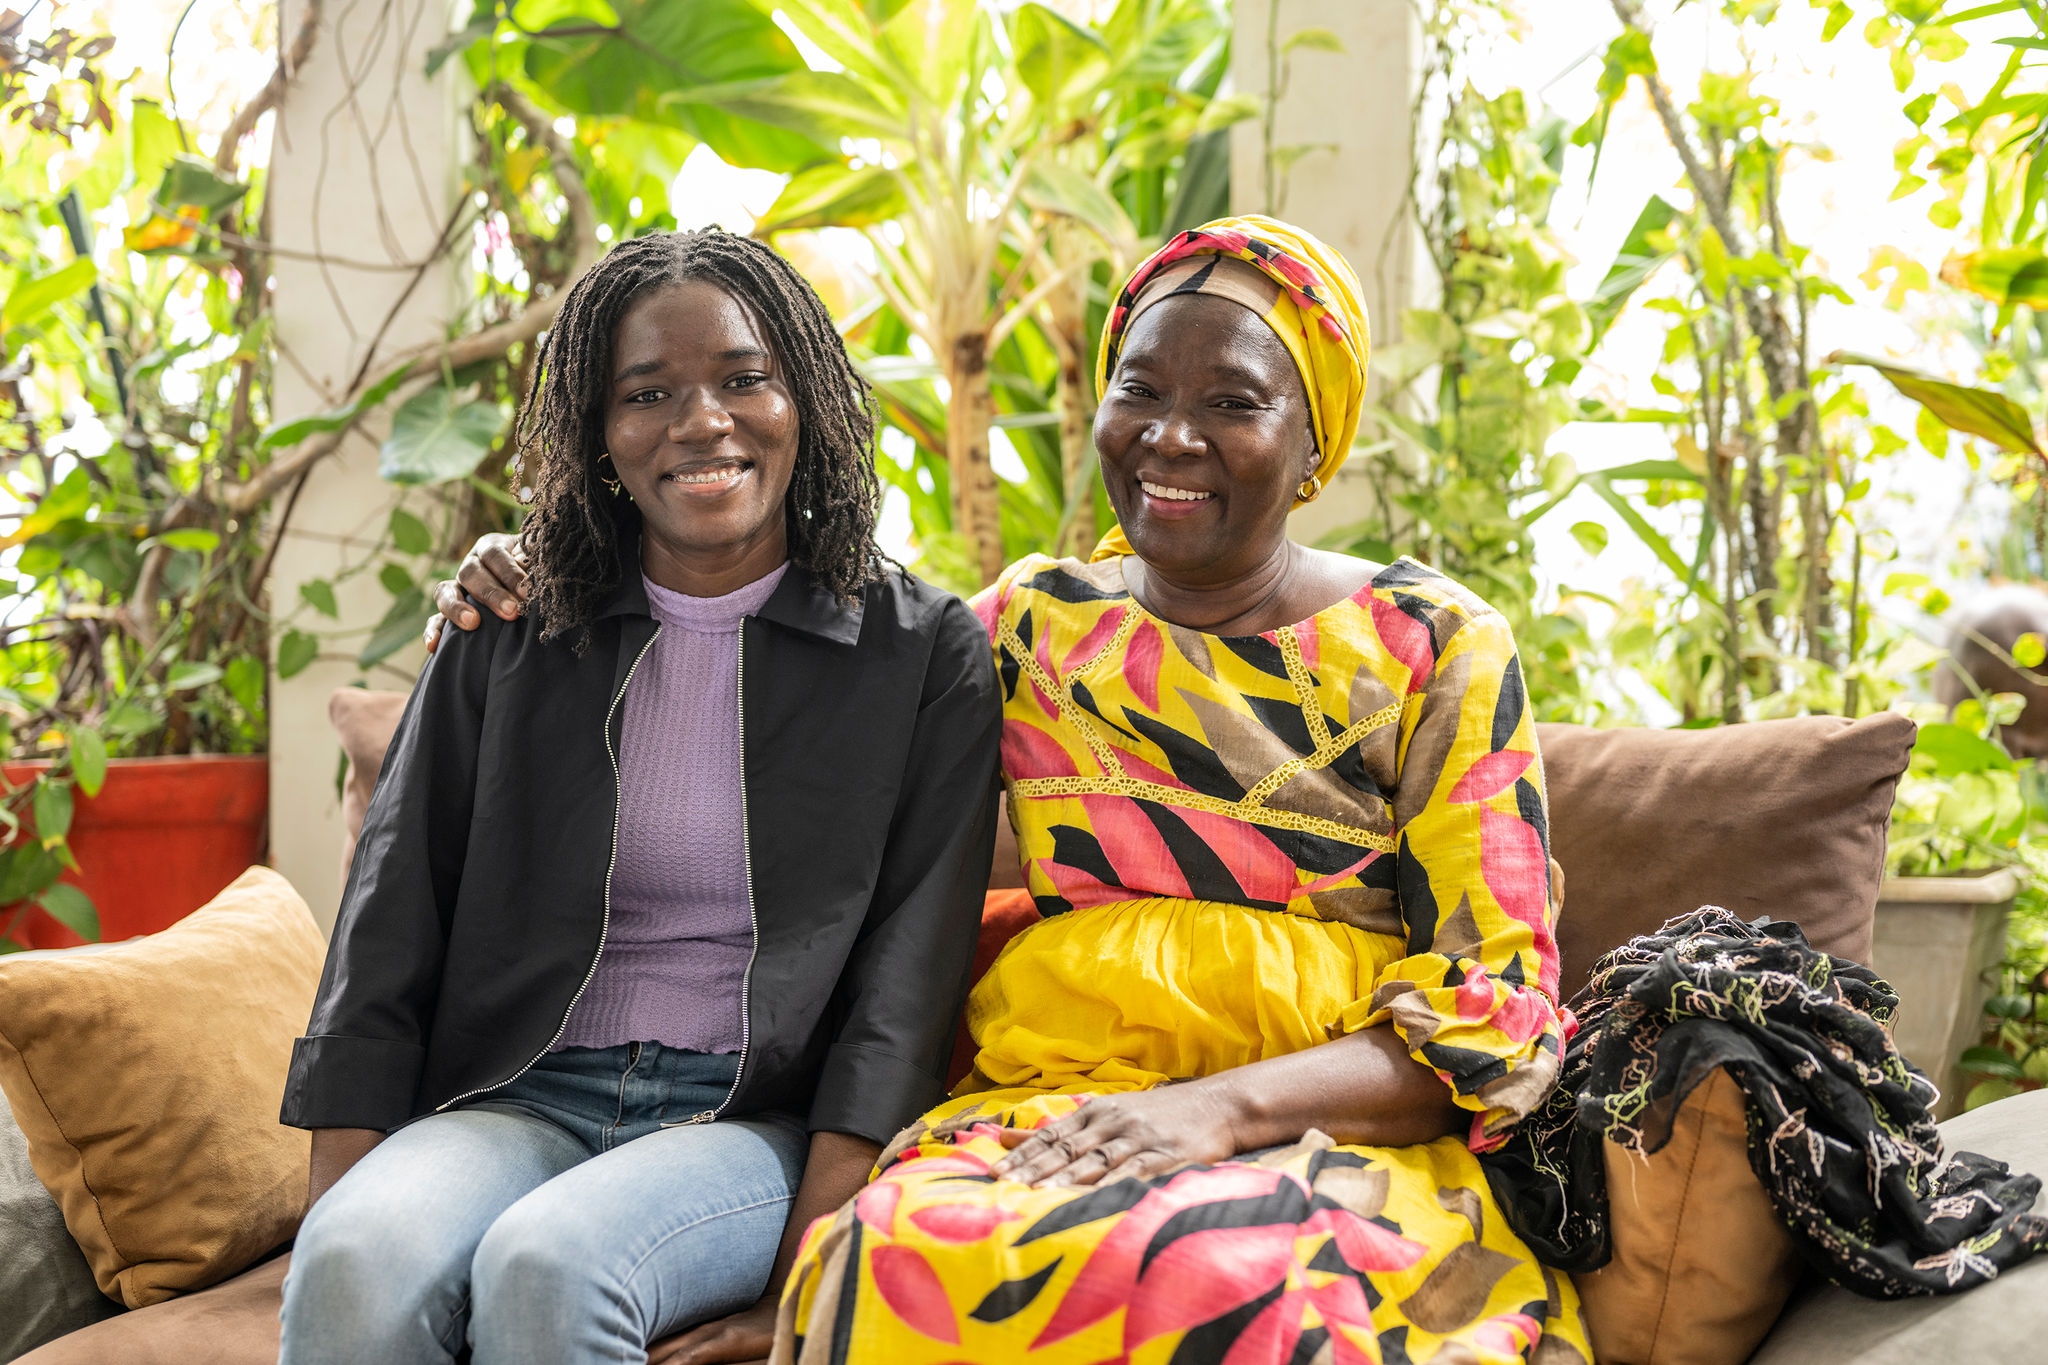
[
  {"x": 364, "y": 171},
  {"x": 1355, "y": 109}
]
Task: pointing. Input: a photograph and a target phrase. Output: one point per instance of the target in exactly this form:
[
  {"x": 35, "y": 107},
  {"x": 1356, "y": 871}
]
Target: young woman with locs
[{"x": 667, "y": 897}]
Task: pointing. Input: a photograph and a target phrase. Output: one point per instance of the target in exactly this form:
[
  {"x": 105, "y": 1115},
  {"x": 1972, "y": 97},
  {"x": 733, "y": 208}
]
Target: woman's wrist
[{"x": 1245, "y": 1110}]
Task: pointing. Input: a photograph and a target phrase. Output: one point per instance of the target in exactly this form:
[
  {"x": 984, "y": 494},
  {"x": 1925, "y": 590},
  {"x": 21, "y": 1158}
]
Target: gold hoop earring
[
  {"x": 612, "y": 485},
  {"x": 1311, "y": 488}
]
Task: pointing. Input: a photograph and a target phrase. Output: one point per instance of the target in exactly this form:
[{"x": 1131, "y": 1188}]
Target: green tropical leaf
[
  {"x": 929, "y": 41},
  {"x": 197, "y": 539},
  {"x": 1055, "y": 188},
  {"x": 1988, "y": 1061},
  {"x": 834, "y": 195},
  {"x": 25, "y": 870},
  {"x": 187, "y": 674},
  {"x": 2005, "y": 275},
  {"x": 1634, "y": 263},
  {"x": 1991, "y": 1092},
  {"x": 436, "y": 436},
  {"x": 32, "y": 298},
  {"x": 318, "y": 594},
  {"x": 88, "y": 759},
  {"x": 1651, "y": 537},
  {"x": 52, "y": 807},
  {"x": 409, "y": 534},
  {"x": 822, "y": 106},
  {"x": 244, "y": 682},
  {"x": 71, "y": 908},
  {"x": 1978, "y": 412},
  {"x": 295, "y": 652},
  {"x": 1950, "y": 750},
  {"x": 843, "y": 31},
  {"x": 192, "y": 182},
  {"x": 659, "y": 53},
  {"x": 1060, "y": 62},
  {"x": 291, "y": 433},
  {"x": 1651, "y": 469}
]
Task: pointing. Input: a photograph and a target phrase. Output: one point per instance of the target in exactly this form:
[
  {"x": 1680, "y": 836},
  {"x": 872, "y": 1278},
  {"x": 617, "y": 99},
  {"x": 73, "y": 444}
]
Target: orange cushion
[
  {"x": 1702, "y": 1263},
  {"x": 147, "y": 1075}
]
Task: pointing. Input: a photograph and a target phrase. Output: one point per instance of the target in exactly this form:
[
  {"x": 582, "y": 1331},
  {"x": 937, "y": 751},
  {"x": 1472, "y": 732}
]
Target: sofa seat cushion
[
  {"x": 1784, "y": 818},
  {"x": 147, "y": 1077},
  {"x": 2005, "y": 1320}
]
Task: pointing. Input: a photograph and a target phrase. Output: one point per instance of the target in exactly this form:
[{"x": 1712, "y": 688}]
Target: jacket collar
[{"x": 799, "y": 602}]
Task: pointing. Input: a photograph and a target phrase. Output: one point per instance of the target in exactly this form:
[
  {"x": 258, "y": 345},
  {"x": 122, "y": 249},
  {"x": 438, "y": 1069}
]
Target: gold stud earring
[
  {"x": 611, "y": 484},
  {"x": 1311, "y": 488}
]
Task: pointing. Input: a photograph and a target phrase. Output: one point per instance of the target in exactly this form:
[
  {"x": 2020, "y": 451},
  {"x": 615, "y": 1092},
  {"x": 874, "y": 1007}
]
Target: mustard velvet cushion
[{"x": 147, "y": 1078}]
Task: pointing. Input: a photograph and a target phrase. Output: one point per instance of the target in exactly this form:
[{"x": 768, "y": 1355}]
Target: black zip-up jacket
[{"x": 476, "y": 906}]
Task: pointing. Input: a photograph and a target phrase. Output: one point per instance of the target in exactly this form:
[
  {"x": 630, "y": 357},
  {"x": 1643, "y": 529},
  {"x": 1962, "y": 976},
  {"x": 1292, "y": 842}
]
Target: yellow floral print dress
[{"x": 1241, "y": 846}]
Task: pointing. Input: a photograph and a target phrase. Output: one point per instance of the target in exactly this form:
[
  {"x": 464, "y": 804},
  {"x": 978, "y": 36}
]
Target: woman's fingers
[
  {"x": 492, "y": 577},
  {"x": 1139, "y": 1164},
  {"x": 1085, "y": 1169},
  {"x": 505, "y": 558},
  {"x": 1057, "y": 1147},
  {"x": 453, "y": 606},
  {"x": 432, "y": 633}
]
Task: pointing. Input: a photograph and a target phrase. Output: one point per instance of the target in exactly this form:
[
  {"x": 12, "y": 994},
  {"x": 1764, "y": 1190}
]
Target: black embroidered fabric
[{"x": 1840, "y": 1132}]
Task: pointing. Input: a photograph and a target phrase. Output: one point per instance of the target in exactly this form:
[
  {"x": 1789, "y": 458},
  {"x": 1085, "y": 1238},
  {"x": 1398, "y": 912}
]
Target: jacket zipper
[
  {"x": 747, "y": 857},
  {"x": 605, "y": 926}
]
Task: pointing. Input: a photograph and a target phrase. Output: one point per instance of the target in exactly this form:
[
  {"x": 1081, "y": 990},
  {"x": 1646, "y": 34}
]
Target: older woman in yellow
[{"x": 1283, "y": 813}]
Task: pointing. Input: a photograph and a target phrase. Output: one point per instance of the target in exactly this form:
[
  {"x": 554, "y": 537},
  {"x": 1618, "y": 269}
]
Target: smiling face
[
  {"x": 1205, "y": 434},
  {"x": 703, "y": 430}
]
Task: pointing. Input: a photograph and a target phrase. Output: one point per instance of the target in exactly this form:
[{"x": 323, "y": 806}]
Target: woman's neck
[
  {"x": 712, "y": 571},
  {"x": 1287, "y": 587},
  {"x": 1239, "y": 605}
]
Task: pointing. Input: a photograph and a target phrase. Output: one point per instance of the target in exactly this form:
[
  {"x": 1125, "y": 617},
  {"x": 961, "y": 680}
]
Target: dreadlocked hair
[{"x": 578, "y": 534}]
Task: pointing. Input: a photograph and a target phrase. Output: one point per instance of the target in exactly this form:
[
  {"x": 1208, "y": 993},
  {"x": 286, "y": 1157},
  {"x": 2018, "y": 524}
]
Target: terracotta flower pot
[{"x": 162, "y": 838}]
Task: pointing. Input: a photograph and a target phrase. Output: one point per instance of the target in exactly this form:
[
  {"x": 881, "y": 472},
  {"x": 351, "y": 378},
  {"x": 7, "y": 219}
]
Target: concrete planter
[{"x": 1939, "y": 942}]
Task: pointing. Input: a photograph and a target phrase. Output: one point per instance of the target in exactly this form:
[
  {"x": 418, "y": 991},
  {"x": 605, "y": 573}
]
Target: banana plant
[
  {"x": 971, "y": 156},
  {"x": 937, "y": 171},
  {"x": 1113, "y": 104}
]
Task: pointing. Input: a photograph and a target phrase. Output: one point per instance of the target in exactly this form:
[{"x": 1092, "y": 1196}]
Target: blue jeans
[{"x": 574, "y": 1216}]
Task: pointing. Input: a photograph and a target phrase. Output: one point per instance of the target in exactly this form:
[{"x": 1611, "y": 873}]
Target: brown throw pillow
[
  {"x": 1784, "y": 818},
  {"x": 147, "y": 1077},
  {"x": 364, "y": 721},
  {"x": 1702, "y": 1264}
]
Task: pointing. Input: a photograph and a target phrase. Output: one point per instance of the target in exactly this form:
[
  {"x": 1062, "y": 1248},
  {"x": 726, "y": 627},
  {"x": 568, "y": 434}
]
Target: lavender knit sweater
[{"x": 676, "y": 951}]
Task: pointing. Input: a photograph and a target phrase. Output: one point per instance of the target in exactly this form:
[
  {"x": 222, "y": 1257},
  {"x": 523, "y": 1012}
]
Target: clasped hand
[{"x": 1146, "y": 1133}]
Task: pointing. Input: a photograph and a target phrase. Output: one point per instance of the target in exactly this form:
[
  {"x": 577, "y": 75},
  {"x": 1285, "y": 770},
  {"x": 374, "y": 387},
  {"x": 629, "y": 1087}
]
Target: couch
[{"x": 1785, "y": 819}]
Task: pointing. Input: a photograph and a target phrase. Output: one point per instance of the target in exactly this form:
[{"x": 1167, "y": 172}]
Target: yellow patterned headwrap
[{"x": 1316, "y": 309}]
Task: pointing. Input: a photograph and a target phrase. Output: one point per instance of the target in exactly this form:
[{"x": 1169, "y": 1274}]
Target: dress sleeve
[{"x": 1475, "y": 998}]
